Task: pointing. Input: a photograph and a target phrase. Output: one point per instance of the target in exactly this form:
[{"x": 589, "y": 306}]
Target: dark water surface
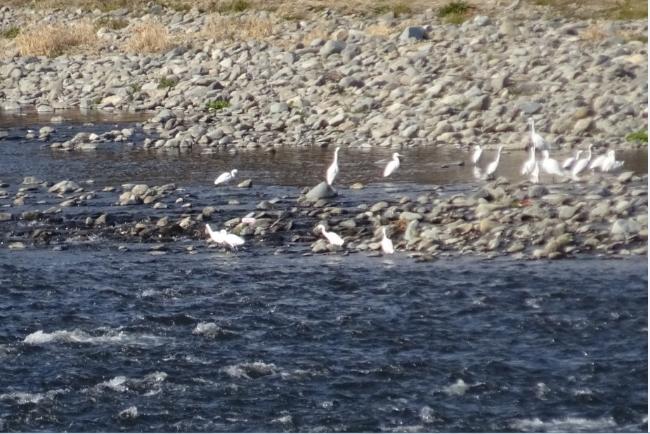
[{"x": 97, "y": 338}]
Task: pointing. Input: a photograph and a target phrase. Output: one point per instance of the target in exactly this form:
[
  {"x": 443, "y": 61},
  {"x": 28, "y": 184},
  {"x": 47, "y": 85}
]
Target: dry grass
[
  {"x": 603, "y": 9},
  {"x": 230, "y": 28},
  {"x": 593, "y": 33},
  {"x": 381, "y": 30},
  {"x": 317, "y": 32},
  {"x": 55, "y": 39},
  {"x": 149, "y": 37}
]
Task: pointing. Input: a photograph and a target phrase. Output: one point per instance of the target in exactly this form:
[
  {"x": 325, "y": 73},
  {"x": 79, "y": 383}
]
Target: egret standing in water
[
  {"x": 571, "y": 161},
  {"x": 332, "y": 237},
  {"x": 386, "y": 243},
  {"x": 476, "y": 155},
  {"x": 537, "y": 140},
  {"x": 529, "y": 164},
  {"x": 551, "y": 166},
  {"x": 393, "y": 165},
  {"x": 492, "y": 167},
  {"x": 233, "y": 241},
  {"x": 580, "y": 165},
  {"x": 225, "y": 177},
  {"x": 534, "y": 174},
  {"x": 597, "y": 162},
  {"x": 333, "y": 170},
  {"x": 610, "y": 162},
  {"x": 217, "y": 237}
]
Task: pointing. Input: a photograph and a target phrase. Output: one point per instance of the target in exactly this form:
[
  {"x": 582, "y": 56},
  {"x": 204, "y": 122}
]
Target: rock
[
  {"x": 486, "y": 225},
  {"x": 102, "y": 220},
  {"x": 481, "y": 20},
  {"x": 140, "y": 189},
  {"x": 413, "y": 33},
  {"x": 601, "y": 210},
  {"x": 357, "y": 186},
  {"x": 537, "y": 191},
  {"x": 185, "y": 223},
  {"x": 331, "y": 47},
  {"x": 378, "y": 207},
  {"x": 409, "y": 216},
  {"x": 530, "y": 107},
  {"x": 411, "y": 232},
  {"x": 208, "y": 211},
  {"x": 321, "y": 191},
  {"x": 565, "y": 212},
  {"x": 582, "y": 126},
  {"x": 17, "y": 245},
  {"x": 625, "y": 177},
  {"x": 623, "y": 228},
  {"x": 247, "y": 183},
  {"x": 5, "y": 216},
  {"x": 320, "y": 246},
  {"x": 64, "y": 187}
]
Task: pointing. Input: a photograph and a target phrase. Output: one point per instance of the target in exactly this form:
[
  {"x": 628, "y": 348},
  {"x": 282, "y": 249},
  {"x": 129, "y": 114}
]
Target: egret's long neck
[
  {"x": 209, "y": 229},
  {"x": 532, "y": 128},
  {"x": 532, "y": 153},
  {"x": 336, "y": 155}
]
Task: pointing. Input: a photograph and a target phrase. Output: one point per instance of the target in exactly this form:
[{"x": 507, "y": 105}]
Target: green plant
[
  {"x": 217, "y": 104},
  {"x": 134, "y": 88},
  {"x": 165, "y": 82},
  {"x": 640, "y": 136},
  {"x": 455, "y": 12},
  {"x": 10, "y": 33}
]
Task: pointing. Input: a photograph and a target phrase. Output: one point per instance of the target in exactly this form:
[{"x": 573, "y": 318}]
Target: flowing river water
[{"x": 101, "y": 336}]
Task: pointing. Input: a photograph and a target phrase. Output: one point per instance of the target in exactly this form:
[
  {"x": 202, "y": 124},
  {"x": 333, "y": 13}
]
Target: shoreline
[{"x": 410, "y": 80}]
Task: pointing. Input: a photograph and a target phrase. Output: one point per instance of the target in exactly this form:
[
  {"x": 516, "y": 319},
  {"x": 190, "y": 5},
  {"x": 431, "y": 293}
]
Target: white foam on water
[
  {"x": 250, "y": 370},
  {"x": 129, "y": 413},
  {"x": 403, "y": 428},
  {"x": 80, "y": 337},
  {"x": 458, "y": 388},
  {"x": 150, "y": 383},
  {"x": 567, "y": 424},
  {"x": 283, "y": 419},
  {"x": 30, "y": 398},
  {"x": 117, "y": 384}
]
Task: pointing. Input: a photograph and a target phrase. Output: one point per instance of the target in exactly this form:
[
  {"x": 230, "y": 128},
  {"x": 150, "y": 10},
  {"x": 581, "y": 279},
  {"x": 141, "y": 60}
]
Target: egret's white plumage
[
  {"x": 537, "y": 140},
  {"x": 551, "y": 166},
  {"x": 231, "y": 240},
  {"x": 610, "y": 162},
  {"x": 569, "y": 162},
  {"x": 476, "y": 155},
  {"x": 386, "y": 243},
  {"x": 492, "y": 167},
  {"x": 597, "y": 162},
  {"x": 476, "y": 171},
  {"x": 534, "y": 173},
  {"x": 225, "y": 177},
  {"x": 333, "y": 170},
  {"x": 392, "y": 165},
  {"x": 217, "y": 237},
  {"x": 529, "y": 164},
  {"x": 332, "y": 237},
  {"x": 248, "y": 221},
  {"x": 581, "y": 164}
]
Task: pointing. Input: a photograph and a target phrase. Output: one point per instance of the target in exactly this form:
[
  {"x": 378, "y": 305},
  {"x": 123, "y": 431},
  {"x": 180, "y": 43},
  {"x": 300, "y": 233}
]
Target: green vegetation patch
[
  {"x": 10, "y": 33},
  {"x": 111, "y": 23},
  {"x": 455, "y": 12},
  {"x": 165, "y": 82},
  {"x": 217, "y": 104},
  {"x": 640, "y": 136}
]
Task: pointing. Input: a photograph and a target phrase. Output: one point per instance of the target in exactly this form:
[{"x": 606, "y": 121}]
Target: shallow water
[{"x": 168, "y": 338}]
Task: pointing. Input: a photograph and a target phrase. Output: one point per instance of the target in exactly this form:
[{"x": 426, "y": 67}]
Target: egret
[
  {"x": 529, "y": 164},
  {"x": 581, "y": 164},
  {"x": 492, "y": 167},
  {"x": 333, "y": 170},
  {"x": 551, "y": 166},
  {"x": 569, "y": 162},
  {"x": 386, "y": 243},
  {"x": 476, "y": 155},
  {"x": 214, "y": 236},
  {"x": 232, "y": 240},
  {"x": 392, "y": 165},
  {"x": 534, "y": 173},
  {"x": 225, "y": 177},
  {"x": 332, "y": 237},
  {"x": 610, "y": 162},
  {"x": 537, "y": 140}
]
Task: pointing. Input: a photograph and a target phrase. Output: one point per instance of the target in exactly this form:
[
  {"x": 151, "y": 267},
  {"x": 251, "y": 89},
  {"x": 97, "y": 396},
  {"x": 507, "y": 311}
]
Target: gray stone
[
  {"x": 64, "y": 187},
  {"x": 413, "y": 33},
  {"x": 321, "y": 191},
  {"x": 331, "y": 47},
  {"x": 5, "y": 216}
]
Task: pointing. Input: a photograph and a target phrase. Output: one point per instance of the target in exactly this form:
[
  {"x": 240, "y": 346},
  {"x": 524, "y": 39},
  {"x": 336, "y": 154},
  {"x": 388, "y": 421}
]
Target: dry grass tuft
[
  {"x": 243, "y": 28},
  {"x": 150, "y": 37},
  {"x": 380, "y": 30},
  {"x": 55, "y": 39},
  {"x": 317, "y": 32},
  {"x": 593, "y": 33}
]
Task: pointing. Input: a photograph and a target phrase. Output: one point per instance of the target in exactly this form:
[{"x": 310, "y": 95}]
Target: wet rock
[
  {"x": 565, "y": 212},
  {"x": 625, "y": 177},
  {"x": 208, "y": 211},
  {"x": 140, "y": 189},
  {"x": 537, "y": 191},
  {"x": 409, "y": 216},
  {"x": 247, "y": 183},
  {"x": 18, "y": 245},
  {"x": 622, "y": 228},
  {"x": 64, "y": 187},
  {"x": 5, "y": 216},
  {"x": 321, "y": 191}
]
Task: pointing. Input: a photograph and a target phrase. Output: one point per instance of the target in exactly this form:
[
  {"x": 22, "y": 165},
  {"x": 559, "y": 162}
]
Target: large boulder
[{"x": 321, "y": 191}]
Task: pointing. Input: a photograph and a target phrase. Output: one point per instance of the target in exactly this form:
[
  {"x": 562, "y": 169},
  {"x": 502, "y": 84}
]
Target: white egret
[
  {"x": 581, "y": 164},
  {"x": 537, "y": 140},
  {"x": 386, "y": 243},
  {"x": 534, "y": 173},
  {"x": 476, "y": 155},
  {"x": 551, "y": 166},
  {"x": 597, "y": 162},
  {"x": 492, "y": 167},
  {"x": 333, "y": 170},
  {"x": 332, "y": 237},
  {"x": 225, "y": 177},
  {"x": 610, "y": 162},
  {"x": 233, "y": 241},
  {"x": 392, "y": 165},
  {"x": 217, "y": 237},
  {"x": 569, "y": 162},
  {"x": 529, "y": 164}
]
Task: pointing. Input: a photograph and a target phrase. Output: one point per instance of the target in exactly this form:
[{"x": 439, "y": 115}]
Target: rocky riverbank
[
  {"x": 261, "y": 79},
  {"x": 606, "y": 215}
]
